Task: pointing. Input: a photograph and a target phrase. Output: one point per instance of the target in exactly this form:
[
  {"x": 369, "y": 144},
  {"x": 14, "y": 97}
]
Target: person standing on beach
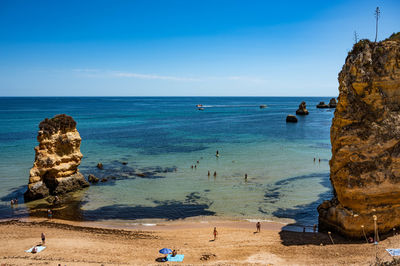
[
  {"x": 215, "y": 233},
  {"x": 208, "y": 173},
  {"x": 49, "y": 214},
  {"x": 43, "y": 239},
  {"x": 258, "y": 226},
  {"x": 217, "y": 153},
  {"x": 215, "y": 173}
]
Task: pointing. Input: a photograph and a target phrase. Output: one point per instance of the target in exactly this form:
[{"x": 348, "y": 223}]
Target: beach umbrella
[{"x": 165, "y": 251}]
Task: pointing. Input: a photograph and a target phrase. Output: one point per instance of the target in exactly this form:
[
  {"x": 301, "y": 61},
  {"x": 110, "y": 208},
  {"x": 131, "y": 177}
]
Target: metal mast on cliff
[{"x": 377, "y": 14}]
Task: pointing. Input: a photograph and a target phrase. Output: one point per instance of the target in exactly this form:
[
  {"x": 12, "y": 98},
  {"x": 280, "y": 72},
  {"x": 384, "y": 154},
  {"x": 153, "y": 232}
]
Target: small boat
[
  {"x": 262, "y": 106},
  {"x": 200, "y": 109},
  {"x": 199, "y": 105}
]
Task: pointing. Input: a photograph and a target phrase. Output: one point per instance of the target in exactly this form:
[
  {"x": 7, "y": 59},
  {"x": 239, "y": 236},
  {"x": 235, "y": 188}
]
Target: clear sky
[{"x": 182, "y": 48}]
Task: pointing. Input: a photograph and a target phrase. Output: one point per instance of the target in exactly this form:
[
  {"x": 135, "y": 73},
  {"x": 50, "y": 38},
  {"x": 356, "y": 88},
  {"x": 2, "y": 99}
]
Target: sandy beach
[{"x": 237, "y": 244}]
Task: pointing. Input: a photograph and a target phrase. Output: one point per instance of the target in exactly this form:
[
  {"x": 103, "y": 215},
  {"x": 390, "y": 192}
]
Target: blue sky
[{"x": 182, "y": 48}]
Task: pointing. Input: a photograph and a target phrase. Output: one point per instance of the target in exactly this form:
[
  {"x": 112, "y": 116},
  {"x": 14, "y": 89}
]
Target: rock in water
[
  {"x": 322, "y": 105},
  {"x": 93, "y": 179},
  {"x": 302, "y": 109},
  {"x": 291, "y": 119},
  {"x": 365, "y": 137},
  {"x": 57, "y": 157},
  {"x": 332, "y": 103}
]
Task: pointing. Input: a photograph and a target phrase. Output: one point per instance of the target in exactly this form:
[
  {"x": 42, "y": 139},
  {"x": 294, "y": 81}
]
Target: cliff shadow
[
  {"x": 70, "y": 208},
  {"x": 305, "y": 216},
  {"x": 290, "y": 238}
]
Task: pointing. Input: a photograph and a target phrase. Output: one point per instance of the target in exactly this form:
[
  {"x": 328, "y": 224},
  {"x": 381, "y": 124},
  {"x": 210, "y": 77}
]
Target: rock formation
[
  {"x": 332, "y": 103},
  {"x": 302, "y": 109},
  {"x": 322, "y": 105},
  {"x": 57, "y": 157},
  {"x": 365, "y": 137},
  {"x": 291, "y": 119},
  {"x": 93, "y": 179}
]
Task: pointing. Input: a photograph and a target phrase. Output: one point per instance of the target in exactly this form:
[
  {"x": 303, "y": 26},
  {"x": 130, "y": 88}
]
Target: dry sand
[{"x": 237, "y": 244}]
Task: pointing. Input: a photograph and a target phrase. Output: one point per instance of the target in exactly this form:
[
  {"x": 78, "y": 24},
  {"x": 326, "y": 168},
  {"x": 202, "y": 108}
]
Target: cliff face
[
  {"x": 57, "y": 157},
  {"x": 365, "y": 137}
]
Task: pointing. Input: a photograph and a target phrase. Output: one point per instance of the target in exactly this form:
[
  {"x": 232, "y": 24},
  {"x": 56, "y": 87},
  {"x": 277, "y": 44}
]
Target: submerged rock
[
  {"x": 93, "y": 179},
  {"x": 57, "y": 157},
  {"x": 332, "y": 103},
  {"x": 302, "y": 109},
  {"x": 291, "y": 119},
  {"x": 365, "y": 138},
  {"x": 322, "y": 105}
]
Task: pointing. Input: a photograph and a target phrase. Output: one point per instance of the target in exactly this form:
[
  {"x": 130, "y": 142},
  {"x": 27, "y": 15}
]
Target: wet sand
[{"x": 237, "y": 244}]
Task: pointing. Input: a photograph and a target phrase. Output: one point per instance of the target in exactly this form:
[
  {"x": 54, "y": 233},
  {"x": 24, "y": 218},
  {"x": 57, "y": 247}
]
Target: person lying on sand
[
  {"x": 174, "y": 253},
  {"x": 34, "y": 250}
]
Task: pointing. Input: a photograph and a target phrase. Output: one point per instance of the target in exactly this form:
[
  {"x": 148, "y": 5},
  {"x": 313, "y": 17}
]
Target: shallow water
[{"x": 163, "y": 137}]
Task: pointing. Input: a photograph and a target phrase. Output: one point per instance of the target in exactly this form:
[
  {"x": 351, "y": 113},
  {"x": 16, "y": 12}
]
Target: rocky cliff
[
  {"x": 57, "y": 157},
  {"x": 365, "y": 137}
]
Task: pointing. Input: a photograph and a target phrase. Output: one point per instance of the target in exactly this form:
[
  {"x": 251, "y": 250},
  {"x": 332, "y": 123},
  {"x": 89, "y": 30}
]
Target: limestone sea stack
[
  {"x": 322, "y": 105},
  {"x": 302, "y": 109},
  {"x": 365, "y": 137},
  {"x": 332, "y": 103},
  {"x": 57, "y": 157},
  {"x": 291, "y": 119}
]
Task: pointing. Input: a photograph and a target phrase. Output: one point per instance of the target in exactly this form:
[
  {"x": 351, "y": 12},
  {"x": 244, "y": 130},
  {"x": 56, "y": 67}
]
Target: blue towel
[
  {"x": 38, "y": 249},
  {"x": 394, "y": 251},
  {"x": 178, "y": 257}
]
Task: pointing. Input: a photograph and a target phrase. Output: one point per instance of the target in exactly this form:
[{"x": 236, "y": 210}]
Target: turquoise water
[{"x": 163, "y": 137}]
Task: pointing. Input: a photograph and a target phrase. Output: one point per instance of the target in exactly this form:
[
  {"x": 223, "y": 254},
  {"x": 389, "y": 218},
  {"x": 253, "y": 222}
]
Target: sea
[{"x": 157, "y": 152}]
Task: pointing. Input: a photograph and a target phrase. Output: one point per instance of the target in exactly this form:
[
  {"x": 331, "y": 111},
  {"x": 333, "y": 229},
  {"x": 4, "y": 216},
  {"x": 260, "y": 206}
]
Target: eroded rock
[
  {"x": 365, "y": 137},
  {"x": 291, "y": 119},
  {"x": 302, "y": 109},
  {"x": 93, "y": 179},
  {"x": 322, "y": 105},
  {"x": 57, "y": 157},
  {"x": 332, "y": 103}
]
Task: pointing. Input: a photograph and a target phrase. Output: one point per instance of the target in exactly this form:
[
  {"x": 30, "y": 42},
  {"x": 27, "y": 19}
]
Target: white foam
[
  {"x": 149, "y": 224},
  {"x": 265, "y": 221}
]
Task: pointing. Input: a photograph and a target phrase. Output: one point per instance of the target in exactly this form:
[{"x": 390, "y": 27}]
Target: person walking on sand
[
  {"x": 43, "y": 239},
  {"x": 258, "y": 226},
  {"x": 215, "y": 233}
]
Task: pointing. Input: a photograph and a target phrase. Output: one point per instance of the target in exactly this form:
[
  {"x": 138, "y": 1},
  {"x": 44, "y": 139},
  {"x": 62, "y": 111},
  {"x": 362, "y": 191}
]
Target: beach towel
[
  {"x": 38, "y": 249},
  {"x": 394, "y": 251},
  {"x": 178, "y": 257}
]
